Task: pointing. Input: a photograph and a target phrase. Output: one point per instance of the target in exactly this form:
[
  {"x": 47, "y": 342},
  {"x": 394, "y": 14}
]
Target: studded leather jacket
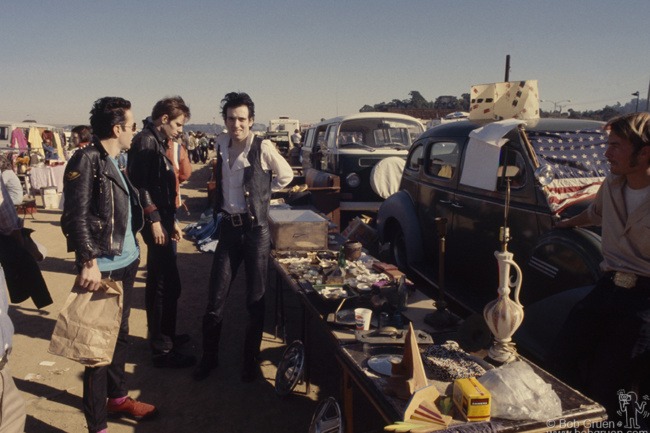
[{"x": 96, "y": 205}]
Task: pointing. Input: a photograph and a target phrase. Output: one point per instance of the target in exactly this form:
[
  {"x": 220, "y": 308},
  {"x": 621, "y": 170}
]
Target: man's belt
[
  {"x": 628, "y": 280},
  {"x": 236, "y": 219}
]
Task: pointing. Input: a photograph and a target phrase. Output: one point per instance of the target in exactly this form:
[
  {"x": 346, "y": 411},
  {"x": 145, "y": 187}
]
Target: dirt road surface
[{"x": 52, "y": 385}]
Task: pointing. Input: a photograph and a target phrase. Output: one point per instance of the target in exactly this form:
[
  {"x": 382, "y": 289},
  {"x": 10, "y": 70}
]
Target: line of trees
[{"x": 450, "y": 103}]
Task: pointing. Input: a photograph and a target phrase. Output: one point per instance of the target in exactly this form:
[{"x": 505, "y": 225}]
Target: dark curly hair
[
  {"x": 237, "y": 99},
  {"x": 106, "y": 113}
]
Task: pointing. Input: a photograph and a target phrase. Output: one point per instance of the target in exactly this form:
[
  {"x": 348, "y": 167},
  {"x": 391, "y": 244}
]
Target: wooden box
[{"x": 298, "y": 230}]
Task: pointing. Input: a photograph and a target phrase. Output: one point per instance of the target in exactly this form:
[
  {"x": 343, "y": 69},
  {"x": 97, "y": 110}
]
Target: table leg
[
  {"x": 346, "y": 392},
  {"x": 308, "y": 349},
  {"x": 280, "y": 328}
]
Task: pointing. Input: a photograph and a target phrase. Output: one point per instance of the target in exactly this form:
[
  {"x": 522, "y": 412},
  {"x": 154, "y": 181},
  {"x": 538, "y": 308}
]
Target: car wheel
[{"x": 398, "y": 253}]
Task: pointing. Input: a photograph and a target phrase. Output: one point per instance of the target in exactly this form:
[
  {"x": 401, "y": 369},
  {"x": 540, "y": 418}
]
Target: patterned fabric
[{"x": 578, "y": 162}]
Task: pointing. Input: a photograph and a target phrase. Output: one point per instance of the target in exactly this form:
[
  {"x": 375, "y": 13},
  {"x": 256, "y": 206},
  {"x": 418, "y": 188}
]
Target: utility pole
[{"x": 507, "y": 68}]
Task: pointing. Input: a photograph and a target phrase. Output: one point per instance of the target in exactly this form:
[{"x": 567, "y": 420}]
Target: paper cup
[{"x": 362, "y": 318}]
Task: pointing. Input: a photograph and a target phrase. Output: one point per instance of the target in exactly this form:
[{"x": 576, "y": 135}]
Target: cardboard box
[
  {"x": 298, "y": 230},
  {"x": 472, "y": 399},
  {"x": 505, "y": 100},
  {"x": 51, "y": 198}
]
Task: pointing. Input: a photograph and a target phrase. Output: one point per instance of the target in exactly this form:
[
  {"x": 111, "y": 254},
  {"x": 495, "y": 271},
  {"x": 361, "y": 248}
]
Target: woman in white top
[{"x": 11, "y": 180}]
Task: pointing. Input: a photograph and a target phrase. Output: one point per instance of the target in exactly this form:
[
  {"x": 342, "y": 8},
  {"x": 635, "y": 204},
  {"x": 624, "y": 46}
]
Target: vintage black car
[
  {"x": 363, "y": 150},
  {"x": 448, "y": 175}
]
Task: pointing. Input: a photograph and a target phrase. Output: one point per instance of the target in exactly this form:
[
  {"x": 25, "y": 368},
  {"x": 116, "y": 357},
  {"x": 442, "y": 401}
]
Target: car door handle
[
  {"x": 457, "y": 205},
  {"x": 444, "y": 201}
]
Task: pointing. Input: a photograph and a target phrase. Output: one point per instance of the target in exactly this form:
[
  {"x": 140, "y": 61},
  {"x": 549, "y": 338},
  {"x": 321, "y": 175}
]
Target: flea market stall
[{"x": 415, "y": 377}]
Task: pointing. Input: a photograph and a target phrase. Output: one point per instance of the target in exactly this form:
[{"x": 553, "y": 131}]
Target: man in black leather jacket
[
  {"x": 153, "y": 174},
  {"x": 101, "y": 217}
]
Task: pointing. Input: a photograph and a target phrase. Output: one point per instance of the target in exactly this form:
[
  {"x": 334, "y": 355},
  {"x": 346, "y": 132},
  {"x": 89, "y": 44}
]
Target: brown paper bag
[{"x": 87, "y": 327}]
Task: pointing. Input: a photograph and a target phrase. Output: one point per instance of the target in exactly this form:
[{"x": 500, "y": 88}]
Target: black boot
[{"x": 210, "y": 358}]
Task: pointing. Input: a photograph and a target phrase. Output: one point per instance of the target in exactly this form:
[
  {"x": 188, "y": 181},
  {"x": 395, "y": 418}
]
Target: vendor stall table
[{"x": 358, "y": 381}]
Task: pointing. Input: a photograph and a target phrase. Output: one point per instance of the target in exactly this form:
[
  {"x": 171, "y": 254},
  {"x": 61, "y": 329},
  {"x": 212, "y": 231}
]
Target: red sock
[{"x": 117, "y": 401}]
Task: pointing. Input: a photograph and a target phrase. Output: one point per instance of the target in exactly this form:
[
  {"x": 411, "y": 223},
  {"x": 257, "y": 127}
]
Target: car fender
[
  {"x": 564, "y": 259},
  {"x": 537, "y": 333},
  {"x": 399, "y": 210}
]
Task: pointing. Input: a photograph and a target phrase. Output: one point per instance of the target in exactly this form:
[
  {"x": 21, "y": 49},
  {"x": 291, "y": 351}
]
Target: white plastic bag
[{"x": 518, "y": 393}]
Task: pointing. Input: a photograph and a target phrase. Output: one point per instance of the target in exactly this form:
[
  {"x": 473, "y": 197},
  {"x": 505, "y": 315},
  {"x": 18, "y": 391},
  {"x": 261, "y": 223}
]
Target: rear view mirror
[
  {"x": 544, "y": 175},
  {"x": 510, "y": 171}
]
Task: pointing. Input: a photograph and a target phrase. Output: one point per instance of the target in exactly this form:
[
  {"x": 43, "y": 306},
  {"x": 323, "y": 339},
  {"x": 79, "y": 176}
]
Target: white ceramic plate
[
  {"x": 346, "y": 317},
  {"x": 382, "y": 363}
]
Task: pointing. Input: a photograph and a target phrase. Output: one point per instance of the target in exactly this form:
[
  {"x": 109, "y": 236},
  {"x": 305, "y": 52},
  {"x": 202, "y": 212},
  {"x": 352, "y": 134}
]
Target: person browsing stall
[
  {"x": 101, "y": 216},
  {"x": 605, "y": 345},
  {"x": 244, "y": 178}
]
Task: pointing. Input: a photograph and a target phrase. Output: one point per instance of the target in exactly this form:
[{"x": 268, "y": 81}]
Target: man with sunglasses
[
  {"x": 152, "y": 173},
  {"x": 101, "y": 216}
]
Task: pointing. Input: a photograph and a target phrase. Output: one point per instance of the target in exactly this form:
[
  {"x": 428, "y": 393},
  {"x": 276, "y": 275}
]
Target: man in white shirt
[
  {"x": 245, "y": 181},
  {"x": 604, "y": 346}
]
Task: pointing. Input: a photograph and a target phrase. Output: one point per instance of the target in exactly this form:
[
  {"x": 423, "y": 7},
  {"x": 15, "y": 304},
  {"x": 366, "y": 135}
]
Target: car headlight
[{"x": 353, "y": 180}]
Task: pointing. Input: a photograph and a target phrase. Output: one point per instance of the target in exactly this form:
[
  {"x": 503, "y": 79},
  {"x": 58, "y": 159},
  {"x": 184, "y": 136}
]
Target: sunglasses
[{"x": 133, "y": 127}]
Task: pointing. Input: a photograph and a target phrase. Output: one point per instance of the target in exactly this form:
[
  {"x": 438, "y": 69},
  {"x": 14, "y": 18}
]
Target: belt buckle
[
  {"x": 624, "y": 279},
  {"x": 236, "y": 220}
]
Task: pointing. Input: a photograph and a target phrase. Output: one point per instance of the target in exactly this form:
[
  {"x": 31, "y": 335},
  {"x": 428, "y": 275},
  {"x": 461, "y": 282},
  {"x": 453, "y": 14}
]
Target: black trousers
[
  {"x": 251, "y": 245},
  {"x": 163, "y": 288},
  {"x": 110, "y": 380},
  {"x": 604, "y": 346}
]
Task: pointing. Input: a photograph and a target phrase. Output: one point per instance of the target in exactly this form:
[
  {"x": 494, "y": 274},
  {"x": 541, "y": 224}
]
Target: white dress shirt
[{"x": 233, "y": 177}]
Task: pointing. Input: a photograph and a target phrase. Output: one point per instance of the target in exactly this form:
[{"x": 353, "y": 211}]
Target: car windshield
[{"x": 376, "y": 133}]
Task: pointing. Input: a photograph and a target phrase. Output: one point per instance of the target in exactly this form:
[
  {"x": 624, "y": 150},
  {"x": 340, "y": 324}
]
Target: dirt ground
[{"x": 52, "y": 385}]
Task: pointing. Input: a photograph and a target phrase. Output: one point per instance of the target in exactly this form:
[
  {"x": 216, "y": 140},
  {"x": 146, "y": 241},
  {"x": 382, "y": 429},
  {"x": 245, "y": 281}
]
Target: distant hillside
[
  {"x": 209, "y": 128},
  {"x": 214, "y": 128}
]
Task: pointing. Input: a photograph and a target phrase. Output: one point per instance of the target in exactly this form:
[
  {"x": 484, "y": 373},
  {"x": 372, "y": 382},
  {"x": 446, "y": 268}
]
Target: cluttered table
[{"x": 377, "y": 363}]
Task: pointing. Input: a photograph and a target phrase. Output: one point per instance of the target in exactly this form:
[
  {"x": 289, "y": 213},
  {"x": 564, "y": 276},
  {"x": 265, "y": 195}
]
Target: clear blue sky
[{"x": 312, "y": 58}]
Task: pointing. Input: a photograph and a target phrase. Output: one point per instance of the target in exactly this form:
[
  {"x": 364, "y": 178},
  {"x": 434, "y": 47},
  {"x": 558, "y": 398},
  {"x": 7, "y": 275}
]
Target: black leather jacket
[
  {"x": 152, "y": 173},
  {"x": 96, "y": 205}
]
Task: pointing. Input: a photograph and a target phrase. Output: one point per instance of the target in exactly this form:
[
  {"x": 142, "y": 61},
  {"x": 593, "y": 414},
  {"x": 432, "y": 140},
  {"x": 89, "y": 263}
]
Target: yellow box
[{"x": 472, "y": 399}]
